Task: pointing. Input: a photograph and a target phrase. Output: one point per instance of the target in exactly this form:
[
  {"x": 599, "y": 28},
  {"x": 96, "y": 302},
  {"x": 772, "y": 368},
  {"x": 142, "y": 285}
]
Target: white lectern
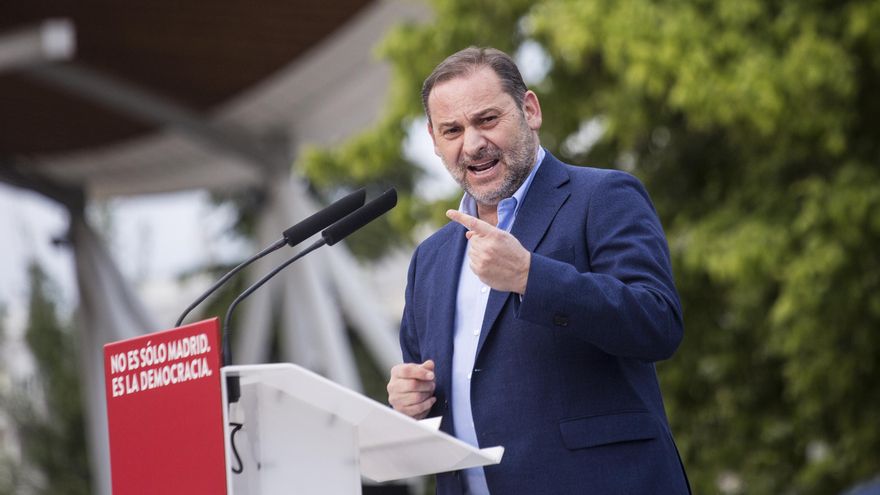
[{"x": 301, "y": 433}]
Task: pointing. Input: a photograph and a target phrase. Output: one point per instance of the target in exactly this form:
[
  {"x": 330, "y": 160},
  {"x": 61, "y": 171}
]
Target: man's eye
[{"x": 451, "y": 131}]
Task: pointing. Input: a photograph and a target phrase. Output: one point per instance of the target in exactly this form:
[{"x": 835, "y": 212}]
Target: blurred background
[{"x": 148, "y": 147}]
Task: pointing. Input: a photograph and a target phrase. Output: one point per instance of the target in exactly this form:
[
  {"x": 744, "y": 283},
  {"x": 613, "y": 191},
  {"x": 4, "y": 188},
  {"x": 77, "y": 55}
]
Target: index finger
[
  {"x": 412, "y": 371},
  {"x": 471, "y": 223}
]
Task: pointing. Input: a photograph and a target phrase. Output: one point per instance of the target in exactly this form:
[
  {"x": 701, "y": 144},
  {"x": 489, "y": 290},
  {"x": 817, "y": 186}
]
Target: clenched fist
[{"x": 411, "y": 388}]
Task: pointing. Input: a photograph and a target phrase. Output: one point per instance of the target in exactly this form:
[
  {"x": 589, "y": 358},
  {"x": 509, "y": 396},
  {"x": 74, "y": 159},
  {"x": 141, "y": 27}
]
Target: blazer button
[{"x": 560, "y": 320}]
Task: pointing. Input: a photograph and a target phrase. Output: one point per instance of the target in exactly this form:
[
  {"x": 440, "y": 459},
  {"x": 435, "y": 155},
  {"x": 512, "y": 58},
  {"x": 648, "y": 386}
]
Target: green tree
[
  {"x": 753, "y": 126},
  {"x": 8, "y": 466},
  {"x": 51, "y": 424}
]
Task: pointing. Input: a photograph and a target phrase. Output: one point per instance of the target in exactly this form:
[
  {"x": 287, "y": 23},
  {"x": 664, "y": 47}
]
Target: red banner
[{"x": 164, "y": 410}]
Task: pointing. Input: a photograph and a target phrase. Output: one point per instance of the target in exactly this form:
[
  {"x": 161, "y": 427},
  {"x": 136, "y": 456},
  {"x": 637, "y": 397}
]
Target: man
[{"x": 534, "y": 319}]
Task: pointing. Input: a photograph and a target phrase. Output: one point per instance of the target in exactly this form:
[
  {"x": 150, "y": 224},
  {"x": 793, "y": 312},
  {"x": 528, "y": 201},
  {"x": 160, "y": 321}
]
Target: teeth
[{"x": 482, "y": 166}]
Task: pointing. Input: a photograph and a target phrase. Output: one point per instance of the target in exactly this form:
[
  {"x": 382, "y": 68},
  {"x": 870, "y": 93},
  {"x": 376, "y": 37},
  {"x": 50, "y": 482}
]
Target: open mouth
[{"x": 480, "y": 168}]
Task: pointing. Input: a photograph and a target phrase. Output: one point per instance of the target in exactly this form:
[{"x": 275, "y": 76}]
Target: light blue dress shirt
[{"x": 470, "y": 307}]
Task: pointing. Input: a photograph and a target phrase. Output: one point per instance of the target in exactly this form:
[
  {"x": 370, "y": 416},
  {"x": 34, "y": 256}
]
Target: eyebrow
[
  {"x": 482, "y": 113},
  {"x": 449, "y": 123}
]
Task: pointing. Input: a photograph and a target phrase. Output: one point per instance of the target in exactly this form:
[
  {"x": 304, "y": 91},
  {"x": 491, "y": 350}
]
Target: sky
[
  {"x": 146, "y": 235},
  {"x": 29, "y": 222}
]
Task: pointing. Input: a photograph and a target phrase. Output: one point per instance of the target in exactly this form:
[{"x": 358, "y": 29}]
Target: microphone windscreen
[
  {"x": 369, "y": 212},
  {"x": 320, "y": 220}
]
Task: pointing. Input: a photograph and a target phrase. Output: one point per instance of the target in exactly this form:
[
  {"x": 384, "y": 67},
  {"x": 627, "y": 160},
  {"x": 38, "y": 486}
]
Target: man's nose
[{"x": 474, "y": 142}]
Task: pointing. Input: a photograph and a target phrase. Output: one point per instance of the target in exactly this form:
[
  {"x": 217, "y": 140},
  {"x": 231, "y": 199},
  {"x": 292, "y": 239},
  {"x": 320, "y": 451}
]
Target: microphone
[
  {"x": 292, "y": 236},
  {"x": 364, "y": 215},
  {"x": 330, "y": 236}
]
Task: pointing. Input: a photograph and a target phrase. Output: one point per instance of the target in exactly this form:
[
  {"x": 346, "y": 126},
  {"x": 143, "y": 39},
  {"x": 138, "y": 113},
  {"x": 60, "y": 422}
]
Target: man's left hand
[{"x": 496, "y": 257}]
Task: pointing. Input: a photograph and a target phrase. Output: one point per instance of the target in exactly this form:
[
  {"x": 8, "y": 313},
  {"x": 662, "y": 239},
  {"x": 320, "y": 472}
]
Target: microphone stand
[
  {"x": 292, "y": 236},
  {"x": 330, "y": 236},
  {"x": 274, "y": 247},
  {"x": 233, "y": 387}
]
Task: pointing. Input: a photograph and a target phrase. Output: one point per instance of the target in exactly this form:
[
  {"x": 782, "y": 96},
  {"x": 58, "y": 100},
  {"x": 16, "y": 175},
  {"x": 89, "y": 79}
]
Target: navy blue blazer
[{"x": 564, "y": 378}]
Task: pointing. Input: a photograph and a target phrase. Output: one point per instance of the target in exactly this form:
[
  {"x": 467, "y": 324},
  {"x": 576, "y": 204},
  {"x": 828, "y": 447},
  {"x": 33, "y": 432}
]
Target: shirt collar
[{"x": 468, "y": 204}]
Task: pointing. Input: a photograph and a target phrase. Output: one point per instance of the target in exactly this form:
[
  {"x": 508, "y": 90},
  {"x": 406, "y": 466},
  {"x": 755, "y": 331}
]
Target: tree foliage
[
  {"x": 49, "y": 418},
  {"x": 9, "y": 467},
  {"x": 753, "y": 125}
]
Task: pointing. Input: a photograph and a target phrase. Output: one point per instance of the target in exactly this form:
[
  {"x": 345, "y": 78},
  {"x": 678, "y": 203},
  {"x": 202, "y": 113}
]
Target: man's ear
[
  {"x": 532, "y": 110},
  {"x": 433, "y": 140}
]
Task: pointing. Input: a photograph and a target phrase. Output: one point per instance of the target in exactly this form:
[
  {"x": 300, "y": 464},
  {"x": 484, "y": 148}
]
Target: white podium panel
[{"x": 304, "y": 434}]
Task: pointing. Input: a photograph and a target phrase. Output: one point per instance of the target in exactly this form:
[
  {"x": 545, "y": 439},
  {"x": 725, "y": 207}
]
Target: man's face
[{"x": 483, "y": 139}]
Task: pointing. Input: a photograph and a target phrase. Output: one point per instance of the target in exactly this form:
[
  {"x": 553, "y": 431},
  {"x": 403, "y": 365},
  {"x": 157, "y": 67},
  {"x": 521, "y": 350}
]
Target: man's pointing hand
[{"x": 496, "y": 257}]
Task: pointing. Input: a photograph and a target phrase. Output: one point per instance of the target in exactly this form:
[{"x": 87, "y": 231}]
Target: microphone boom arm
[
  {"x": 274, "y": 247},
  {"x": 227, "y": 353}
]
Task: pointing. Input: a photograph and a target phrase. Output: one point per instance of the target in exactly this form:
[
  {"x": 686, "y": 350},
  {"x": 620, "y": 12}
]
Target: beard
[{"x": 518, "y": 158}]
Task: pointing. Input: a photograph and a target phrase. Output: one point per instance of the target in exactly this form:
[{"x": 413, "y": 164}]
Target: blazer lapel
[
  {"x": 544, "y": 198},
  {"x": 446, "y": 286}
]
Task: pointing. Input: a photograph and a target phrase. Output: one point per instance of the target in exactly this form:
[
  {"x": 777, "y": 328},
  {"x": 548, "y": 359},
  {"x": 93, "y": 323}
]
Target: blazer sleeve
[
  {"x": 409, "y": 344},
  {"x": 626, "y": 304}
]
